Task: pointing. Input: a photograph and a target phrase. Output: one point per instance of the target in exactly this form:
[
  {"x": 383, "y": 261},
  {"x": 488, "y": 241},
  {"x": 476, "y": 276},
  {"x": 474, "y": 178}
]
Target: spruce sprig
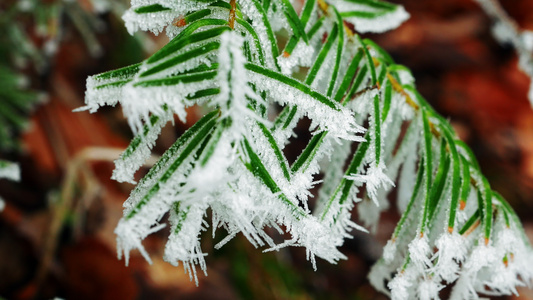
[{"x": 224, "y": 55}]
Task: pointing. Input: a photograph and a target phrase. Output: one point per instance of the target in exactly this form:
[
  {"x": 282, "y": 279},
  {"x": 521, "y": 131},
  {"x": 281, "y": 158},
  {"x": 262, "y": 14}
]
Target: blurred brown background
[{"x": 56, "y": 232}]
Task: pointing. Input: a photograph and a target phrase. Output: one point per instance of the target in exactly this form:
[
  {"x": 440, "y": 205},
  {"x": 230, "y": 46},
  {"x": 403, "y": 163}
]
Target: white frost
[
  {"x": 451, "y": 252},
  {"x": 9, "y": 170}
]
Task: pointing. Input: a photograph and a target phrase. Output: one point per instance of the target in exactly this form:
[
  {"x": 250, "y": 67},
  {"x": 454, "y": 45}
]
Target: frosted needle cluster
[{"x": 230, "y": 165}]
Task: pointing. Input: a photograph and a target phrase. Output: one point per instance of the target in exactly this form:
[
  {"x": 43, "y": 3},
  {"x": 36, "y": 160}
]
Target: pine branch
[{"x": 224, "y": 55}]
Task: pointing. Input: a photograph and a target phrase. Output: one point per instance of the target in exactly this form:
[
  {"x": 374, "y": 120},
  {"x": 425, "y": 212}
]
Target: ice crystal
[
  {"x": 400, "y": 285},
  {"x": 451, "y": 252},
  {"x": 389, "y": 251},
  {"x": 419, "y": 251},
  {"x": 429, "y": 289}
]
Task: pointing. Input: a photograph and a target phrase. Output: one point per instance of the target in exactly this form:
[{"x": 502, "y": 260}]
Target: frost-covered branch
[
  {"x": 224, "y": 55},
  {"x": 506, "y": 31},
  {"x": 10, "y": 171}
]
